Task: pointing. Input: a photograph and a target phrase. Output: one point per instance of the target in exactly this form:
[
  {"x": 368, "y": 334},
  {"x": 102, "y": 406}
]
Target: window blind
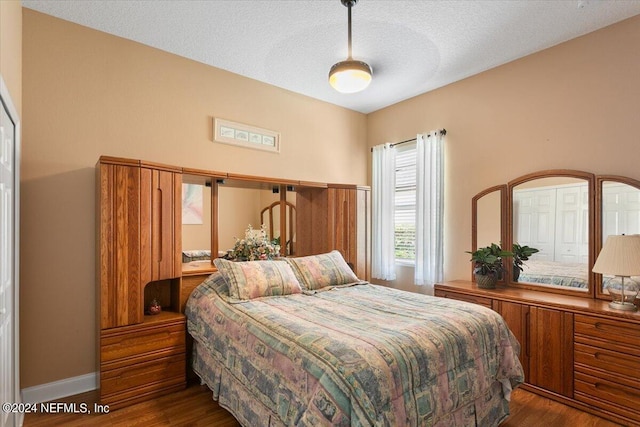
[{"x": 405, "y": 203}]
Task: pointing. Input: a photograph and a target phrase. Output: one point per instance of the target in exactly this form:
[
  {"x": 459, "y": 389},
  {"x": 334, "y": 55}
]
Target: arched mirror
[
  {"x": 618, "y": 199},
  {"x": 552, "y": 212},
  {"x": 488, "y": 217}
]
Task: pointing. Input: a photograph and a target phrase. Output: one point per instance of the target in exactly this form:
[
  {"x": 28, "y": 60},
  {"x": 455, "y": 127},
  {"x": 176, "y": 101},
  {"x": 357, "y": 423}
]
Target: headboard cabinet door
[
  {"x": 348, "y": 225},
  {"x": 120, "y": 294},
  {"x": 162, "y": 224},
  {"x": 337, "y": 217}
]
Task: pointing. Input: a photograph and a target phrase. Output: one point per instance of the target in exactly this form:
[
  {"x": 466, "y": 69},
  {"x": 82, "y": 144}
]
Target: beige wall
[
  {"x": 573, "y": 106},
  {"x": 87, "y": 93},
  {"x": 239, "y": 207},
  {"x": 11, "y": 49}
]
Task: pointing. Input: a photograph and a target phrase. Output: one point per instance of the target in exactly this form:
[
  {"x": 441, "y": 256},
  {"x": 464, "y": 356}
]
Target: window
[
  {"x": 405, "y": 204},
  {"x": 409, "y": 229}
]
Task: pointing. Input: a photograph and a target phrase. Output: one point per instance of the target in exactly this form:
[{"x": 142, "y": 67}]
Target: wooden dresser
[{"x": 574, "y": 350}]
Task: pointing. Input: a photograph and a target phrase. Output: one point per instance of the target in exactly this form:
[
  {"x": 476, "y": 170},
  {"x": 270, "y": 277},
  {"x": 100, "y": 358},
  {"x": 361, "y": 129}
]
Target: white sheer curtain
[
  {"x": 383, "y": 205},
  {"x": 429, "y": 209}
]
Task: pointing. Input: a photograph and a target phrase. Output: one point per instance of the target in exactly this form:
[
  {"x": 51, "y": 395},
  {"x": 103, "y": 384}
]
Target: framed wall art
[
  {"x": 192, "y": 204},
  {"x": 228, "y": 132}
]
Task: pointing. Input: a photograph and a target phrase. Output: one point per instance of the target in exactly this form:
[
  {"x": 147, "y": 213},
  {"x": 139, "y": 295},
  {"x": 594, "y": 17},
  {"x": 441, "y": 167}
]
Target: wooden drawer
[
  {"x": 131, "y": 343},
  {"x": 608, "y": 392},
  {"x": 141, "y": 394},
  {"x": 160, "y": 373},
  {"x": 609, "y": 360},
  {"x": 463, "y": 297},
  {"x": 610, "y": 331}
]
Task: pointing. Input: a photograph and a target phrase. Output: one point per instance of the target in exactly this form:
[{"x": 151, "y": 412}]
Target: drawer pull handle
[
  {"x": 613, "y": 390},
  {"x": 527, "y": 323},
  {"x": 151, "y": 337},
  {"x": 616, "y": 329},
  {"x": 605, "y": 357},
  {"x": 153, "y": 370},
  {"x": 628, "y": 362}
]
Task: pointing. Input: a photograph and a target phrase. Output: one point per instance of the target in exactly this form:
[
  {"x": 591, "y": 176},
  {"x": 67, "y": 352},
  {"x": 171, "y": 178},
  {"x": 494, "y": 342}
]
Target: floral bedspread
[
  {"x": 573, "y": 275},
  {"x": 357, "y": 356},
  {"x": 195, "y": 255}
]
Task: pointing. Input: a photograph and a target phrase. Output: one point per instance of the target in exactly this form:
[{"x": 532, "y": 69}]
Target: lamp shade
[
  {"x": 350, "y": 76},
  {"x": 620, "y": 256}
]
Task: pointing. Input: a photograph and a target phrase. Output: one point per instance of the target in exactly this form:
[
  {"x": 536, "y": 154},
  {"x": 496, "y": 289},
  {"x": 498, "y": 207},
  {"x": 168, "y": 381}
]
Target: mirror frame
[
  {"x": 599, "y": 240},
  {"x": 210, "y": 179},
  {"x": 474, "y": 219},
  {"x": 561, "y": 173},
  {"x": 595, "y": 184},
  {"x": 213, "y": 179},
  {"x": 240, "y": 181}
]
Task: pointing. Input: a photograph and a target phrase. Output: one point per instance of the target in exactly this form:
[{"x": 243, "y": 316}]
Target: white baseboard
[{"x": 60, "y": 389}]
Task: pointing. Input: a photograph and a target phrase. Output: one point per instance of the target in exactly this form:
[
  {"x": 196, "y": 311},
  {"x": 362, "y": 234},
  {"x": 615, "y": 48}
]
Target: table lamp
[{"x": 620, "y": 257}]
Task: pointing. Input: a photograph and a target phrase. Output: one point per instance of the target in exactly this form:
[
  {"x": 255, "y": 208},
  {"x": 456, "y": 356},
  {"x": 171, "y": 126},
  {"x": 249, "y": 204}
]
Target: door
[
  {"x": 517, "y": 318},
  {"x": 161, "y": 218},
  {"x": 572, "y": 224},
  {"x": 534, "y": 216},
  {"x": 551, "y": 350},
  {"x": 120, "y": 298},
  {"x": 343, "y": 223},
  {"x": 9, "y": 214},
  {"x": 341, "y": 201},
  {"x": 620, "y": 209},
  {"x": 348, "y": 226}
]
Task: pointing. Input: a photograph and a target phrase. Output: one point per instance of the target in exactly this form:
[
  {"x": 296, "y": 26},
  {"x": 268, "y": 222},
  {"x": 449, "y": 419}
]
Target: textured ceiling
[{"x": 413, "y": 46}]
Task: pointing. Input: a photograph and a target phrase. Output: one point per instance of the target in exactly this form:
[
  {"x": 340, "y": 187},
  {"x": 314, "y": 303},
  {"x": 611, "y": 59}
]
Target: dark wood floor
[
  {"x": 194, "y": 407},
  {"x": 530, "y": 410}
]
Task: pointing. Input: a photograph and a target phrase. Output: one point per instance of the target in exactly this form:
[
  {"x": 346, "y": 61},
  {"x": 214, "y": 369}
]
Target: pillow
[
  {"x": 319, "y": 271},
  {"x": 216, "y": 283},
  {"x": 254, "y": 279}
]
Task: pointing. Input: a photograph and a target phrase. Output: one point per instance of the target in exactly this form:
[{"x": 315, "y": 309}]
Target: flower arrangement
[{"x": 254, "y": 246}]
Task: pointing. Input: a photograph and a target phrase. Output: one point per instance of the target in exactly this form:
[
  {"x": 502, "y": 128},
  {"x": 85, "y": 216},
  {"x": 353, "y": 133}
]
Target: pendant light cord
[{"x": 349, "y": 31}]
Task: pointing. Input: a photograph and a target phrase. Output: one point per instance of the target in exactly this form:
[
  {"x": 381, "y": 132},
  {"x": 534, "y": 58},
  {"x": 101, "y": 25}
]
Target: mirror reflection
[
  {"x": 488, "y": 219},
  {"x": 620, "y": 214},
  {"x": 244, "y": 203},
  {"x": 271, "y": 219},
  {"x": 552, "y": 215},
  {"x": 196, "y": 221}
]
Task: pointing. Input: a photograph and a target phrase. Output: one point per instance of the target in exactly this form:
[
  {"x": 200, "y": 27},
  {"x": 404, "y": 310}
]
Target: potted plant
[
  {"x": 487, "y": 265},
  {"x": 521, "y": 253}
]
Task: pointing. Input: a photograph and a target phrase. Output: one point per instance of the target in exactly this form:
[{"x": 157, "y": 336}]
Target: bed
[
  {"x": 196, "y": 255},
  {"x": 573, "y": 275},
  {"x": 311, "y": 346}
]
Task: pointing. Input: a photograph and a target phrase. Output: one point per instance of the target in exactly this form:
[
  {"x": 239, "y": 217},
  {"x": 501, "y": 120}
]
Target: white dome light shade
[{"x": 350, "y": 76}]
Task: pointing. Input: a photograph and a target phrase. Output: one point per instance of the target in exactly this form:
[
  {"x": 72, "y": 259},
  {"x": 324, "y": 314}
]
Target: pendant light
[{"x": 350, "y": 76}]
